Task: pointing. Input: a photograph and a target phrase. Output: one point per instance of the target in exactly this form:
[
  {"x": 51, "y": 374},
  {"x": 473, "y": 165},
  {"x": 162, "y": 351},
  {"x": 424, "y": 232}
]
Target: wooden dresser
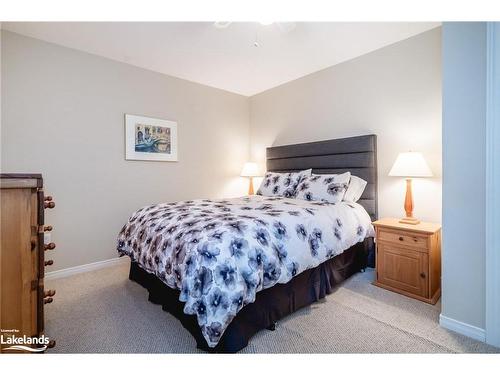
[
  {"x": 408, "y": 258},
  {"x": 22, "y": 257}
]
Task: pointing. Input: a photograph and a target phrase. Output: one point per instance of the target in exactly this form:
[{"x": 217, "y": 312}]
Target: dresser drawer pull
[
  {"x": 50, "y": 246},
  {"x": 401, "y": 238},
  {"x": 49, "y": 293},
  {"x": 48, "y": 300},
  {"x": 49, "y": 262},
  {"x": 422, "y": 275},
  {"x": 48, "y": 198},
  {"x": 49, "y": 205},
  {"x": 47, "y": 228}
]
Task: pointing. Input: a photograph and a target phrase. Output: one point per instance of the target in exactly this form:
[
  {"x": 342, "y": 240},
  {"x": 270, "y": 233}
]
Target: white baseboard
[
  {"x": 85, "y": 268},
  {"x": 465, "y": 329}
]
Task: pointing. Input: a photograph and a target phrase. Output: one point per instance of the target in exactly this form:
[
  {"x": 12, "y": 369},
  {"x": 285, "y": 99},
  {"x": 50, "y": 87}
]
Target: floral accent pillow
[
  {"x": 325, "y": 187},
  {"x": 282, "y": 184}
]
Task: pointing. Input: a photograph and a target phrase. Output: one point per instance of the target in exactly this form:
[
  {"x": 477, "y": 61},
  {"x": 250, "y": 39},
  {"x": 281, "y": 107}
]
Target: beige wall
[
  {"x": 394, "y": 92},
  {"x": 63, "y": 116}
]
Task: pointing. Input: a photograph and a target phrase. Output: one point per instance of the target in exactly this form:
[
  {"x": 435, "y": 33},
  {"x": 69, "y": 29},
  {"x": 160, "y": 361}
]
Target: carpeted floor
[{"x": 104, "y": 312}]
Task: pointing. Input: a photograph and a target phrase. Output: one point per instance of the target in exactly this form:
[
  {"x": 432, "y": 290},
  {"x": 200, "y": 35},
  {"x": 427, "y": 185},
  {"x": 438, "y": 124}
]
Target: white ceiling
[{"x": 225, "y": 58}]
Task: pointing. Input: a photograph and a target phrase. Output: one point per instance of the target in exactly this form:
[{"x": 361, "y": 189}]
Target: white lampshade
[
  {"x": 410, "y": 164},
  {"x": 250, "y": 170}
]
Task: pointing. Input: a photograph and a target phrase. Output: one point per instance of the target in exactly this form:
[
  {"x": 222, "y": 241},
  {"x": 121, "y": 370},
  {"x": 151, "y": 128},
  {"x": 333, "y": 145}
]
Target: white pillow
[
  {"x": 355, "y": 189},
  {"x": 324, "y": 187},
  {"x": 281, "y": 184}
]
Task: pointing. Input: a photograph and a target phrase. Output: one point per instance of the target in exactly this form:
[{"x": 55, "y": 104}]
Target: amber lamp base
[
  {"x": 250, "y": 187},
  {"x": 409, "y": 219}
]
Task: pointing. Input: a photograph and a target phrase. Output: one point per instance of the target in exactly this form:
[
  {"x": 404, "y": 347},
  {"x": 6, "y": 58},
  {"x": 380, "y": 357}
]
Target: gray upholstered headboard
[{"x": 355, "y": 154}]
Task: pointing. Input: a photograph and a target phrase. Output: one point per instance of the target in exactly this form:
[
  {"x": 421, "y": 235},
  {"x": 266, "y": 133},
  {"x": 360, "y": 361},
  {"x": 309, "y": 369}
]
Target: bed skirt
[{"x": 270, "y": 304}]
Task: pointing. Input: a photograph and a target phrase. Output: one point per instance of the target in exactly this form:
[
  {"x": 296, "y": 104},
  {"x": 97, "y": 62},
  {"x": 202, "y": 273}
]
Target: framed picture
[{"x": 149, "y": 138}]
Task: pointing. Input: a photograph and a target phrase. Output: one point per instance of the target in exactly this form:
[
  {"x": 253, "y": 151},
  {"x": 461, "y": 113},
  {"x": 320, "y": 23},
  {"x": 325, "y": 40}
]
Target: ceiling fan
[{"x": 284, "y": 27}]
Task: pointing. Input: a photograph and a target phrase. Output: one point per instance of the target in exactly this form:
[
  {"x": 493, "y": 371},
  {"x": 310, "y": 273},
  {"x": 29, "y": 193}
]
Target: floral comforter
[{"x": 220, "y": 253}]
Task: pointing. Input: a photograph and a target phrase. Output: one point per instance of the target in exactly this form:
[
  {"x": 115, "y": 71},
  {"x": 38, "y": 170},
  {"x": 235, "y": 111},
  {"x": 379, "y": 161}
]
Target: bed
[{"x": 255, "y": 259}]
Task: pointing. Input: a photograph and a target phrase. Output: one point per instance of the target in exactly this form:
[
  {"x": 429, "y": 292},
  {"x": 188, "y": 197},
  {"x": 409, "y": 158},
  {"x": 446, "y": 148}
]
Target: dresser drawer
[{"x": 403, "y": 238}]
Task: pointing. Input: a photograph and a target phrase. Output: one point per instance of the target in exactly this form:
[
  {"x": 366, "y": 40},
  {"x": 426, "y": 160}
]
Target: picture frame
[{"x": 150, "y": 139}]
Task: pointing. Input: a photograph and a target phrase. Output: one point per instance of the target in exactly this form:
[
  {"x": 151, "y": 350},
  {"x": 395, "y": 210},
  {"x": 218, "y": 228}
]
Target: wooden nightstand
[{"x": 408, "y": 259}]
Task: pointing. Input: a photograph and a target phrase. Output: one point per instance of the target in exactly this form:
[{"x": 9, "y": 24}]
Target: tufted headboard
[{"x": 355, "y": 154}]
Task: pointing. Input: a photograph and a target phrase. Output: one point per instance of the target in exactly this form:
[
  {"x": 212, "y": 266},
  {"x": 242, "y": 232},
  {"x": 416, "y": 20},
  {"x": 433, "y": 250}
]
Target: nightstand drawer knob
[
  {"x": 401, "y": 238},
  {"x": 422, "y": 275}
]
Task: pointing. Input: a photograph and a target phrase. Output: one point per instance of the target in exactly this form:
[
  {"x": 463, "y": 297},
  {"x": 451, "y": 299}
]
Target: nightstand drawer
[{"x": 403, "y": 238}]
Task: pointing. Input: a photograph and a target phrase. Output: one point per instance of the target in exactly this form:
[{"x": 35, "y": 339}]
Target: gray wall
[
  {"x": 464, "y": 122},
  {"x": 63, "y": 116},
  {"x": 394, "y": 92}
]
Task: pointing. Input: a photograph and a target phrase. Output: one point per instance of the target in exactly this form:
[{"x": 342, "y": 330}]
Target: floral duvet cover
[{"x": 220, "y": 253}]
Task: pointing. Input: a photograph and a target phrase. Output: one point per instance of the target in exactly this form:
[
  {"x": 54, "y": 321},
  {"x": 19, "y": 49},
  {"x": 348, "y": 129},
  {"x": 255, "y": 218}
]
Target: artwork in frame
[{"x": 149, "y": 138}]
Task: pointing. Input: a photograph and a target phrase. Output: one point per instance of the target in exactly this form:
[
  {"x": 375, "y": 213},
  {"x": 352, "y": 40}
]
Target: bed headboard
[{"x": 355, "y": 154}]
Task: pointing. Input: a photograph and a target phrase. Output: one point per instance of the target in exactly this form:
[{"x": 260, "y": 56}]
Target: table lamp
[
  {"x": 410, "y": 164},
  {"x": 250, "y": 170}
]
